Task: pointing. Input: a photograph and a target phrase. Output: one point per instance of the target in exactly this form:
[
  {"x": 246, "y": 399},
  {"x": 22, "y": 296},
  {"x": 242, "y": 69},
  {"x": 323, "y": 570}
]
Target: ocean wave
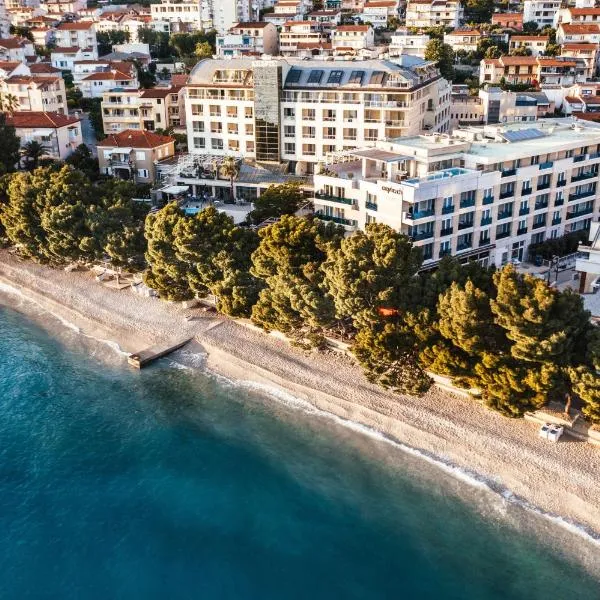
[{"x": 467, "y": 476}]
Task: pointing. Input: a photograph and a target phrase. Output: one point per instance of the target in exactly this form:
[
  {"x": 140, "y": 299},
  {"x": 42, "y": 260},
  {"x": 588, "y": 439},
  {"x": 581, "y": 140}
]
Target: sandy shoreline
[{"x": 561, "y": 479}]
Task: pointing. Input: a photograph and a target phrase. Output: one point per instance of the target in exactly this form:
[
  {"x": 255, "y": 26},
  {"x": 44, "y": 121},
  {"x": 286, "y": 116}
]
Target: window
[
  {"x": 289, "y": 148},
  {"x": 289, "y": 112},
  {"x": 289, "y": 131},
  {"x": 335, "y": 76},
  {"x": 199, "y": 142},
  {"x": 315, "y": 76},
  {"x": 356, "y": 77},
  {"x": 217, "y": 144},
  {"x": 140, "y": 156},
  {"x": 198, "y": 126},
  {"x": 143, "y": 173},
  {"x": 293, "y": 76}
]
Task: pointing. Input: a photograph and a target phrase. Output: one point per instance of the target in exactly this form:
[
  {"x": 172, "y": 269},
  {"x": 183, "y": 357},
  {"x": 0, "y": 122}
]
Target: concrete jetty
[{"x": 145, "y": 357}]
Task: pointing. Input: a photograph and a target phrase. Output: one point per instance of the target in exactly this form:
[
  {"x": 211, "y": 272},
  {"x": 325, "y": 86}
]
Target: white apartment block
[
  {"x": 296, "y": 37},
  {"x": 588, "y": 265},
  {"x": 531, "y": 70},
  {"x": 37, "y": 93},
  {"x": 352, "y": 38},
  {"x": 183, "y": 15},
  {"x": 542, "y": 12},
  {"x": 377, "y": 12},
  {"x": 81, "y": 34},
  {"x": 410, "y": 44},
  {"x": 226, "y": 13},
  {"x": 251, "y": 38},
  {"x": 66, "y": 58},
  {"x": 463, "y": 39},
  {"x": 16, "y": 49},
  {"x": 535, "y": 43},
  {"x": 299, "y": 111},
  {"x": 485, "y": 193},
  {"x": 587, "y": 33},
  {"x": 434, "y": 13}
]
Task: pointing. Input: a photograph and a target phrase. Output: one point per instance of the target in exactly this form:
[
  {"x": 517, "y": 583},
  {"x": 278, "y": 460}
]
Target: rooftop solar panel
[
  {"x": 315, "y": 76},
  {"x": 293, "y": 76},
  {"x": 335, "y": 77},
  {"x": 522, "y": 134}
]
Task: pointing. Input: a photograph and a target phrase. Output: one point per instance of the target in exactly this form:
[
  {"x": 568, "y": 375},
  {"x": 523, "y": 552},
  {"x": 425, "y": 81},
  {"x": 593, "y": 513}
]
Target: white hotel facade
[
  {"x": 296, "y": 111},
  {"x": 484, "y": 193}
]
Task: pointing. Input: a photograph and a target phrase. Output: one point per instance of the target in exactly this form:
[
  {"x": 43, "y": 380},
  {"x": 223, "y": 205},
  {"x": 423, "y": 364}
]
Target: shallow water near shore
[{"x": 168, "y": 483}]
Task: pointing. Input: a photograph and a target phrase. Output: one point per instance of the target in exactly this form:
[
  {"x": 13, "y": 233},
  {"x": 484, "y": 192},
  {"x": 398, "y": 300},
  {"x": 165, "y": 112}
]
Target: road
[{"x": 88, "y": 133}]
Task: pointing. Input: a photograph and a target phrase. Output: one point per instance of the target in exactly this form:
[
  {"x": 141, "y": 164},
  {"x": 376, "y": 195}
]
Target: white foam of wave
[
  {"x": 4, "y": 287},
  {"x": 469, "y": 477}
]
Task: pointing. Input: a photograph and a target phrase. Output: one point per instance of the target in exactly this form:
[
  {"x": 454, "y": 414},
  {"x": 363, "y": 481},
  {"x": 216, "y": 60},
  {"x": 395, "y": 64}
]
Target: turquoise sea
[{"x": 169, "y": 484}]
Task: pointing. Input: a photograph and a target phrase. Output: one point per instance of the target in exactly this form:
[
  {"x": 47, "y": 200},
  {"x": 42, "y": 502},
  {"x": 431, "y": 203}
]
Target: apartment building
[
  {"x": 16, "y": 49},
  {"x": 296, "y": 37},
  {"x": 115, "y": 76},
  {"x": 286, "y": 10},
  {"x": 532, "y": 70},
  {"x": 66, "y": 58},
  {"x": 124, "y": 22},
  {"x": 378, "y": 12},
  {"x": 298, "y": 111},
  {"x": 151, "y": 109},
  {"x": 434, "y": 13},
  {"x": 80, "y": 34},
  {"x": 37, "y": 93},
  {"x": 542, "y": 12},
  {"x": 350, "y": 39},
  {"x": 485, "y": 193},
  {"x": 251, "y": 38},
  {"x": 463, "y": 39},
  {"x": 60, "y": 134},
  {"x": 577, "y": 15},
  {"x": 226, "y": 13},
  {"x": 586, "y": 56},
  {"x": 327, "y": 18},
  {"x": 183, "y": 15},
  {"x": 582, "y": 98},
  {"x": 132, "y": 155},
  {"x": 537, "y": 44},
  {"x": 586, "y": 33},
  {"x": 411, "y": 44}
]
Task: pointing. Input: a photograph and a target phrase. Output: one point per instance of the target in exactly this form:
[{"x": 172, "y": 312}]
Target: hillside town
[{"x": 472, "y": 131}]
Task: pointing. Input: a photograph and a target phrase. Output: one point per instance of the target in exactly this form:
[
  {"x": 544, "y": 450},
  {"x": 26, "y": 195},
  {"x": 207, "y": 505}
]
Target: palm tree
[
  {"x": 8, "y": 103},
  {"x": 230, "y": 170},
  {"x": 33, "y": 151}
]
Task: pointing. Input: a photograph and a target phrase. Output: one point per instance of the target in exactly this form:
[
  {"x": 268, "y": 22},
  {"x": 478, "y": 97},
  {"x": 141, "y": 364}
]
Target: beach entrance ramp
[{"x": 145, "y": 357}]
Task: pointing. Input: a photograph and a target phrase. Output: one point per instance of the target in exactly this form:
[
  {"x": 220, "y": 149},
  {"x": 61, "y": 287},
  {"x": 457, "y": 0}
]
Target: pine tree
[
  {"x": 288, "y": 261},
  {"x": 371, "y": 271},
  {"x": 166, "y": 273},
  {"x": 586, "y": 384}
]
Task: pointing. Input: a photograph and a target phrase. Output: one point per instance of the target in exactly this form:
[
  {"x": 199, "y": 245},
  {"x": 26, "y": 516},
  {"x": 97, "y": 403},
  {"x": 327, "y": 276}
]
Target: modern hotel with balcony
[
  {"x": 484, "y": 193},
  {"x": 287, "y": 110}
]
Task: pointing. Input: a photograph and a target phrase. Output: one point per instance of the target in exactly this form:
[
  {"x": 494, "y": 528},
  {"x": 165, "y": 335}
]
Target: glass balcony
[
  {"x": 446, "y": 210},
  {"x": 420, "y": 214},
  {"x": 467, "y": 203},
  {"x": 464, "y": 246},
  {"x": 447, "y": 231},
  {"x": 331, "y": 198},
  {"x": 526, "y": 191},
  {"x": 488, "y": 200},
  {"x": 507, "y": 194},
  {"x": 445, "y": 252},
  {"x": 505, "y": 214},
  {"x": 540, "y": 205},
  {"x": 559, "y": 201},
  {"x": 486, "y": 221},
  {"x": 579, "y": 158},
  {"x": 556, "y": 221},
  {"x": 502, "y": 234},
  {"x": 484, "y": 241},
  {"x": 579, "y": 213},
  {"x": 338, "y": 220},
  {"x": 539, "y": 225},
  {"x": 371, "y": 205},
  {"x": 546, "y": 165},
  {"x": 543, "y": 186},
  {"x": 465, "y": 224},
  {"x": 573, "y": 197},
  {"x": 422, "y": 235},
  {"x": 509, "y": 172},
  {"x": 582, "y": 176},
  {"x": 521, "y": 230},
  {"x": 524, "y": 211},
  {"x": 561, "y": 183}
]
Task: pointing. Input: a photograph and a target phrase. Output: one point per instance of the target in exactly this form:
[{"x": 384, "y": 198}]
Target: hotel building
[
  {"x": 301, "y": 111},
  {"x": 485, "y": 193}
]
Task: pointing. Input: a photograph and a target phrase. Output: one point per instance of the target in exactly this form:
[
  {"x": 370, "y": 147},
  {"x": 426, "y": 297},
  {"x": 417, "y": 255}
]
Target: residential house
[
  {"x": 350, "y": 39},
  {"x": 508, "y": 20},
  {"x": 410, "y": 44},
  {"x": 79, "y": 34},
  {"x": 378, "y": 12},
  {"x": 537, "y": 44},
  {"x": 586, "y": 56},
  {"x": 65, "y": 58},
  {"x": 541, "y": 12},
  {"x": 532, "y": 70},
  {"x": 253, "y": 38},
  {"x": 588, "y": 33},
  {"x": 60, "y": 134},
  {"x": 434, "y": 13},
  {"x": 463, "y": 39},
  {"x": 16, "y": 49},
  {"x": 39, "y": 93},
  {"x": 117, "y": 75},
  {"x": 132, "y": 155},
  {"x": 296, "y": 37}
]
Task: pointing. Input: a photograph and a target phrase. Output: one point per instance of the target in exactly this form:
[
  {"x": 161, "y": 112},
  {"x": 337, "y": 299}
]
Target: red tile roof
[
  {"x": 65, "y": 50},
  {"x": 131, "y": 138},
  {"x": 79, "y": 26},
  {"x": 530, "y": 38},
  {"x": 580, "y": 28},
  {"x": 583, "y": 12},
  {"x": 107, "y": 76},
  {"x": 160, "y": 92},
  {"x": 24, "y": 119},
  {"x": 9, "y": 65},
  {"x": 251, "y": 25},
  {"x": 13, "y": 43},
  {"x": 352, "y": 28}
]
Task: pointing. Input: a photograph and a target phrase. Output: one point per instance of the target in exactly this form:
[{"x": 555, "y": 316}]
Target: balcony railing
[
  {"x": 488, "y": 200},
  {"x": 540, "y": 205},
  {"x": 445, "y": 252},
  {"x": 573, "y": 197},
  {"x": 466, "y": 224},
  {"x": 580, "y": 213},
  {"x": 509, "y": 172},
  {"x": 521, "y": 230},
  {"x": 559, "y": 201},
  {"x": 556, "y": 221},
  {"x": 467, "y": 202},
  {"x": 524, "y": 211},
  {"x": 447, "y": 231},
  {"x": 579, "y": 158},
  {"x": 543, "y": 186},
  {"x": 502, "y": 234},
  {"x": 338, "y": 220},
  {"x": 583, "y": 176},
  {"x": 505, "y": 214},
  {"x": 486, "y": 221},
  {"x": 331, "y": 198},
  {"x": 484, "y": 240},
  {"x": 446, "y": 210},
  {"x": 371, "y": 205},
  {"x": 539, "y": 224},
  {"x": 561, "y": 183},
  {"x": 464, "y": 246},
  {"x": 507, "y": 194},
  {"x": 422, "y": 235},
  {"x": 546, "y": 165},
  {"x": 526, "y": 191},
  {"x": 420, "y": 214}
]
